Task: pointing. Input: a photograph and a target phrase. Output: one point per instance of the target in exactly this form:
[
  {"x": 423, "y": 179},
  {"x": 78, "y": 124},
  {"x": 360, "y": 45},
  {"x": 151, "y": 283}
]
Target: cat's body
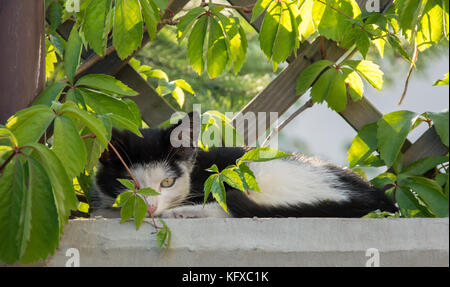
[{"x": 296, "y": 186}]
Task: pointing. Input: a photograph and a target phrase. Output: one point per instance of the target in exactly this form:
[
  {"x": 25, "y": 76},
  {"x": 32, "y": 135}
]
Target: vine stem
[
  {"x": 8, "y": 160},
  {"x": 411, "y": 67},
  {"x": 246, "y": 9},
  {"x": 276, "y": 130},
  {"x": 337, "y": 10},
  {"x": 136, "y": 183}
]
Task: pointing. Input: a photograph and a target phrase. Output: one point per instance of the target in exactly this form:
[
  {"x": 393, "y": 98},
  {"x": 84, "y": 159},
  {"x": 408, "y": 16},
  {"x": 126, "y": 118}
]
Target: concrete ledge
[{"x": 259, "y": 242}]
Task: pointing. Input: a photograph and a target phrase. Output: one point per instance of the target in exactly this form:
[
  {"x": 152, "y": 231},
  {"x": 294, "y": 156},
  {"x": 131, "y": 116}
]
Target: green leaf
[
  {"x": 140, "y": 211},
  {"x": 259, "y": 8},
  {"x": 368, "y": 70},
  {"x": 50, "y": 94},
  {"x": 431, "y": 193},
  {"x": 232, "y": 178},
  {"x": 12, "y": 187},
  {"x": 408, "y": 12},
  {"x": 207, "y": 186},
  {"x": 423, "y": 165},
  {"x": 122, "y": 113},
  {"x": 395, "y": 43},
  {"x": 409, "y": 204},
  {"x": 443, "y": 81},
  {"x": 219, "y": 193},
  {"x": 30, "y": 124},
  {"x": 164, "y": 236},
  {"x": 127, "y": 27},
  {"x": 217, "y": 49},
  {"x": 127, "y": 183},
  {"x": 287, "y": 35},
  {"x": 68, "y": 146},
  {"x": 6, "y": 133},
  {"x": 269, "y": 28},
  {"x": 106, "y": 83},
  {"x": 73, "y": 54},
  {"x": 187, "y": 21},
  {"x": 94, "y": 26},
  {"x": 355, "y": 85},
  {"x": 337, "y": 97},
  {"x": 333, "y": 24},
  {"x": 248, "y": 178},
  {"x": 127, "y": 210},
  {"x": 161, "y": 238},
  {"x": 122, "y": 198},
  {"x": 62, "y": 185},
  {"x": 135, "y": 112},
  {"x": 151, "y": 18},
  {"x": 213, "y": 168},
  {"x": 94, "y": 124},
  {"x": 196, "y": 43},
  {"x": 440, "y": 121},
  {"x": 384, "y": 179},
  {"x": 40, "y": 214},
  {"x": 178, "y": 95},
  {"x": 310, "y": 74},
  {"x": 262, "y": 154},
  {"x": 184, "y": 85},
  {"x": 430, "y": 27},
  {"x": 306, "y": 27},
  {"x": 363, "y": 145},
  {"x": 161, "y": 4},
  {"x": 147, "y": 191},
  {"x": 324, "y": 86},
  {"x": 393, "y": 129},
  {"x": 54, "y": 14}
]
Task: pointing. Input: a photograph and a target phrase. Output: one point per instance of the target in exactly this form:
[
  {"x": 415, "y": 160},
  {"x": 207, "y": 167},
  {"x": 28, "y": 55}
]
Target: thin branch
[
  {"x": 89, "y": 136},
  {"x": 136, "y": 183},
  {"x": 337, "y": 10},
  {"x": 246, "y": 9},
  {"x": 276, "y": 130},
  {"x": 8, "y": 160},
  {"x": 411, "y": 68}
]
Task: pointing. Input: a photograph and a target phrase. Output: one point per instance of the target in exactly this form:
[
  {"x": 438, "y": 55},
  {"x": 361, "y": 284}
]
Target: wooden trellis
[{"x": 278, "y": 96}]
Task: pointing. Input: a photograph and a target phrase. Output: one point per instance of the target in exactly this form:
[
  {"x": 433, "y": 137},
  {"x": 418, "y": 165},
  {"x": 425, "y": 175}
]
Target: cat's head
[{"x": 163, "y": 160}]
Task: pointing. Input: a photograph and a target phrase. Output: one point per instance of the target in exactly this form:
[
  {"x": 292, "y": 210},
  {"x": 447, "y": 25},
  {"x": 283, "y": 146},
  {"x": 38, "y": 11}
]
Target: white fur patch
[{"x": 284, "y": 182}]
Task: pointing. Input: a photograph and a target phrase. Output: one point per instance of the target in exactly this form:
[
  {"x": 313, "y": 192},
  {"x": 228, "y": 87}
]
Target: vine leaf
[
  {"x": 127, "y": 27},
  {"x": 393, "y": 129}
]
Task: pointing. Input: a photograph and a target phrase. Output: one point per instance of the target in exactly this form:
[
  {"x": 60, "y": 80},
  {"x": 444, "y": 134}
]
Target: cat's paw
[{"x": 182, "y": 212}]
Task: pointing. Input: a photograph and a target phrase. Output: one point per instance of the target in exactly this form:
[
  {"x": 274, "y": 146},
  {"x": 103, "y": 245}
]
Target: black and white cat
[{"x": 296, "y": 186}]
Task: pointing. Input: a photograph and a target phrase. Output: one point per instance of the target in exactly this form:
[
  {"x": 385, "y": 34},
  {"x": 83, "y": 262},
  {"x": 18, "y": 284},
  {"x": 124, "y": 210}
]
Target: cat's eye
[{"x": 168, "y": 182}]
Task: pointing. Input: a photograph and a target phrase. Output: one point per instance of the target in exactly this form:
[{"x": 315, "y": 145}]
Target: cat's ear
[
  {"x": 183, "y": 136},
  {"x": 117, "y": 140}
]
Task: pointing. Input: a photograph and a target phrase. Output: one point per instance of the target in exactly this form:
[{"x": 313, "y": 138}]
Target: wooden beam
[
  {"x": 429, "y": 144},
  {"x": 22, "y": 54}
]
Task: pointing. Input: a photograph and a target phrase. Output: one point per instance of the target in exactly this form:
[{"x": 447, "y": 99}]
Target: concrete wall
[{"x": 258, "y": 242}]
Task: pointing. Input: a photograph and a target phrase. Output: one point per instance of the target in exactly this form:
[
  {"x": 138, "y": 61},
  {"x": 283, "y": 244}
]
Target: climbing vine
[{"x": 46, "y": 148}]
